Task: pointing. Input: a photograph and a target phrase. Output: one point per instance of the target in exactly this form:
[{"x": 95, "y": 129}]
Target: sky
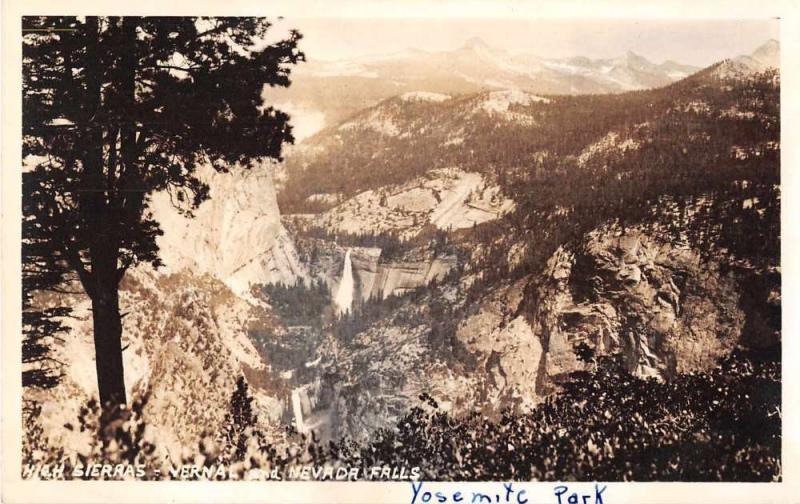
[{"x": 690, "y": 41}]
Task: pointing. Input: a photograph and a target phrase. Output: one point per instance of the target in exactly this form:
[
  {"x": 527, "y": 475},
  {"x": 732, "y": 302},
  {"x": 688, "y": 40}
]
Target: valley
[
  {"x": 480, "y": 235},
  {"x": 485, "y": 245}
]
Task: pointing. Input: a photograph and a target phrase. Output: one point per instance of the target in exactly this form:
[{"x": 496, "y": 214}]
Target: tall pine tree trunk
[
  {"x": 105, "y": 255},
  {"x": 108, "y": 342},
  {"x": 104, "y": 247}
]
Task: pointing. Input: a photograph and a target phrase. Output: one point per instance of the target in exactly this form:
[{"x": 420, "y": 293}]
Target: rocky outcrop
[
  {"x": 185, "y": 326},
  {"x": 381, "y": 374},
  {"x": 376, "y": 279},
  {"x": 508, "y": 351},
  {"x": 445, "y": 199},
  {"x": 656, "y": 303},
  {"x": 374, "y": 276},
  {"x": 185, "y": 343}
]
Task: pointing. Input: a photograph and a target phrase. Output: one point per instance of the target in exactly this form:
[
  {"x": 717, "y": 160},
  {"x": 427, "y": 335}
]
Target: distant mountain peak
[
  {"x": 768, "y": 53},
  {"x": 470, "y": 65},
  {"x": 771, "y": 43},
  {"x": 475, "y": 43},
  {"x": 632, "y": 57},
  {"x": 765, "y": 56}
]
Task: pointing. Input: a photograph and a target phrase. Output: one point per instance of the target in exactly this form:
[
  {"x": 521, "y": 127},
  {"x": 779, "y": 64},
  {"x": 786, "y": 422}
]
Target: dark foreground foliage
[
  {"x": 721, "y": 425},
  {"x": 724, "y": 425}
]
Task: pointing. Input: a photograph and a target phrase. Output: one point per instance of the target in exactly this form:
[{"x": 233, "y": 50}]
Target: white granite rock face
[{"x": 236, "y": 236}]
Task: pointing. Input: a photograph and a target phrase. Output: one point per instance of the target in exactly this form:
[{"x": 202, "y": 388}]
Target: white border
[{"x": 15, "y": 490}]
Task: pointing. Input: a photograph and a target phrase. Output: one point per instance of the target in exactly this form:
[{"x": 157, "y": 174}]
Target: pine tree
[
  {"x": 117, "y": 108},
  {"x": 239, "y": 421},
  {"x": 41, "y": 325}
]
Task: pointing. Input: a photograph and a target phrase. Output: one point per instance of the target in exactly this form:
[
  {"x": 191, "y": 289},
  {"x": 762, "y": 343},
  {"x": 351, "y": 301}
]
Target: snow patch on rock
[
  {"x": 326, "y": 198},
  {"x": 500, "y": 101},
  {"x": 454, "y": 140},
  {"x": 469, "y": 202}
]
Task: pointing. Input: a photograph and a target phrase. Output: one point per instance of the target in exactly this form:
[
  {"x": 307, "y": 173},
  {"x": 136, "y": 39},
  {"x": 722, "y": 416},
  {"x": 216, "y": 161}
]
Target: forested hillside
[
  {"x": 705, "y": 145},
  {"x": 644, "y": 225}
]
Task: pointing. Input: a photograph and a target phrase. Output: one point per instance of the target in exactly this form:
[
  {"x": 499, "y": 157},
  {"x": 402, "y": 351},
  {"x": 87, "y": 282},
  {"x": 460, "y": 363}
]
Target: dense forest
[
  {"x": 695, "y": 163},
  {"x": 607, "y": 425},
  {"x": 709, "y": 178},
  {"x": 299, "y": 304},
  {"x": 558, "y": 128}
]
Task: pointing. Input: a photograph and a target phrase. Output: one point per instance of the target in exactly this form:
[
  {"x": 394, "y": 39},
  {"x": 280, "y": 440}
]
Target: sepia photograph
[{"x": 266, "y": 248}]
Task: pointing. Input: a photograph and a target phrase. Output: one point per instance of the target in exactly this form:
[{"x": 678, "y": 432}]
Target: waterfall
[
  {"x": 344, "y": 293},
  {"x": 297, "y": 409}
]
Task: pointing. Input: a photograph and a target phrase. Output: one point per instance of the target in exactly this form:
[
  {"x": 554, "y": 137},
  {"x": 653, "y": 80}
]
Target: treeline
[
  {"x": 386, "y": 311},
  {"x": 721, "y": 425},
  {"x": 391, "y": 245},
  {"x": 605, "y": 424},
  {"x": 299, "y": 304},
  {"x": 354, "y": 160},
  {"x": 702, "y": 167},
  {"x": 708, "y": 179},
  {"x": 45, "y": 276}
]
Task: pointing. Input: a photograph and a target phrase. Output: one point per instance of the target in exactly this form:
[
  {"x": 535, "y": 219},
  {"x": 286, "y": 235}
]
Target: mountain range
[
  {"x": 478, "y": 64},
  {"x": 767, "y": 55},
  {"x": 326, "y": 92}
]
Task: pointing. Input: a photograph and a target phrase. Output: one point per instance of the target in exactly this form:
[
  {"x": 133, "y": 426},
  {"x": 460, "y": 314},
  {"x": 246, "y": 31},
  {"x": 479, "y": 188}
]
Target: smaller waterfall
[
  {"x": 297, "y": 409},
  {"x": 344, "y": 293}
]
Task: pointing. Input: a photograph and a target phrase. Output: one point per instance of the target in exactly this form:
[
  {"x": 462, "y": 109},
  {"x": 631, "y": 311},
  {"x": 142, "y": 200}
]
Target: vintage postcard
[{"x": 480, "y": 256}]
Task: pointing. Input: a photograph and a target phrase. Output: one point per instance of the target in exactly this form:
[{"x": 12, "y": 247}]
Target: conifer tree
[
  {"x": 117, "y": 108},
  {"x": 239, "y": 421}
]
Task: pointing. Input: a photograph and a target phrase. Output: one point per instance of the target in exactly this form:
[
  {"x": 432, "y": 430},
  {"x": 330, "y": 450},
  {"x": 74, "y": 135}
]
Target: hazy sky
[{"x": 697, "y": 42}]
